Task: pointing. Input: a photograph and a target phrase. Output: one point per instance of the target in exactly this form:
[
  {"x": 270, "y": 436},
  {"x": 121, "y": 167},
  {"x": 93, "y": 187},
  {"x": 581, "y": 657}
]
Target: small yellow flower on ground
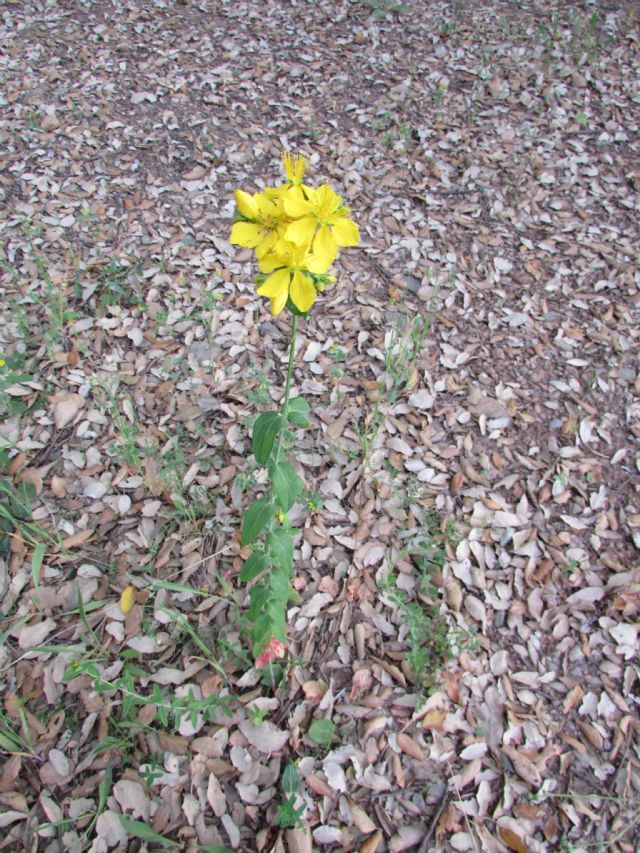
[{"x": 127, "y": 599}]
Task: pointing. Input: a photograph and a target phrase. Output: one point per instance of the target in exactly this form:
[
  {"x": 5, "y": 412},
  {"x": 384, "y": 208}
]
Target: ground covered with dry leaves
[{"x": 462, "y": 672}]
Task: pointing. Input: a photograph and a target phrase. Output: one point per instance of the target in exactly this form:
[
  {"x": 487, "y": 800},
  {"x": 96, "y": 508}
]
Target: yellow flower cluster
[{"x": 296, "y": 232}]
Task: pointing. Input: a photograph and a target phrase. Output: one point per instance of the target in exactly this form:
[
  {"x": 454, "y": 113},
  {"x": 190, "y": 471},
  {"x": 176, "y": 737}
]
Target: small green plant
[
  {"x": 427, "y": 633},
  {"x": 381, "y": 8},
  {"x": 626, "y": 822},
  {"x": 117, "y": 286},
  {"x": 383, "y": 121},
  {"x": 259, "y": 393},
  {"x": 11, "y": 741},
  {"x": 126, "y": 695},
  {"x": 257, "y": 715},
  {"x": 289, "y": 813},
  {"x": 12, "y": 373},
  {"x": 403, "y": 344},
  {"x": 192, "y": 503},
  {"x": 54, "y": 300},
  {"x": 16, "y": 521},
  {"x": 322, "y": 731},
  {"x": 127, "y": 446}
]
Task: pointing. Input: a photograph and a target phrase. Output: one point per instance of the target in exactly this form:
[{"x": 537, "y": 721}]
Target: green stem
[{"x": 287, "y": 387}]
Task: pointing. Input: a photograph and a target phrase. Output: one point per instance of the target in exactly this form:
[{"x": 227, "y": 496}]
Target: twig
[{"x": 434, "y": 822}]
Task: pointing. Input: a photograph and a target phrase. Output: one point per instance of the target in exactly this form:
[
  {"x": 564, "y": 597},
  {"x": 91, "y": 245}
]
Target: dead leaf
[
  {"x": 265, "y": 737},
  {"x": 372, "y": 843},
  {"x": 513, "y": 835},
  {"x": 66, "y": 409}
]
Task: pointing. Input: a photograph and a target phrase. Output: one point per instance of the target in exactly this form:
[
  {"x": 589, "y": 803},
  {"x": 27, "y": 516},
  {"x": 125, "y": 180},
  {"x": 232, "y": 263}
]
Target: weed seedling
[
  {"x": 289, "y": 813},
  {"x": 403, "y": 344}
]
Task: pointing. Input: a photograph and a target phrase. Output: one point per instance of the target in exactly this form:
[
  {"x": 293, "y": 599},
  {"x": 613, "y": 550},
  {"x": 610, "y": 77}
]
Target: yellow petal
[
  {"x": 303, "y": 293},
  {"x": 318, "y": 263},
  {"x": 246, "y": 234},
  {"x": 271, "y": 261},
  {"x": 327, "y": 201},
  {"x": 324, "y": 244},
  {"x": 276, "y": 284},
  {"x": 296, "y": 205},
  {"x": 266, "y": 206},
  {"x": 346, "y": 232},
  {"x": 127, "y": 599},
  {"x": 266, "y": 244},
  {"x": 277, "y": 303},
  {"x": 246, "y": 204},
  {"x": 301, "y": 231}
]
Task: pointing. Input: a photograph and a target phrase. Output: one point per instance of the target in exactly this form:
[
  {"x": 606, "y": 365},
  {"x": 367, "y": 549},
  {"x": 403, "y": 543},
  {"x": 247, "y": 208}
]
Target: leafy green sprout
[
  {"x": 382, "y": 8},
  {"x": 337, "y": 353},
  {"x": 116, "y": 287},
  {"x": 289, "y": 813},
  {"x": 55, "y": 297},
  {"x": 428, "y": 637},
  {"x": 403, "y": 345},
  {"x": 16, "y": 522},
  {"x": 257, "y": 715},
  {"x": 427, "y": 633}
]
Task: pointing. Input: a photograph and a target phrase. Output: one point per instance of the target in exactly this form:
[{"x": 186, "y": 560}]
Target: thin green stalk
[{"x": 287, "y": 388}]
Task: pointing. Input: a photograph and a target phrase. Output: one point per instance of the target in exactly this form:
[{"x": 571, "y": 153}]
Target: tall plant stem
[{"x": 287, "y": 387}]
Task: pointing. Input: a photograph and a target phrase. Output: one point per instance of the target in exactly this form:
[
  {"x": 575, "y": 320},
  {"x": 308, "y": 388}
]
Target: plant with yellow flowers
[{"x": 296, "y": 232}]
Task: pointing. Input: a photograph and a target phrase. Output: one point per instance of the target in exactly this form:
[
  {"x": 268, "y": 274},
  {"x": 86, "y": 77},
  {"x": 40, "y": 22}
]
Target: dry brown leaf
[
  {"x": 372, "y": 843},
  {"x": 299, "y": 840},
  {"x": 411, "y": 748},
  {"x": 66, "y": 409},
  {"x": 513, "y": 835}
]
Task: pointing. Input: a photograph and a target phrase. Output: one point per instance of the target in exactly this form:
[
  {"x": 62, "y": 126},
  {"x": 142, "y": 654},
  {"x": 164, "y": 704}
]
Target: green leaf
[
  {"x": 36, "y": 563},
  {"x": 581, "y": 118},
  {"x": 286, "y": 484},
  {"x": 253, "y": 566},
  {"x": 298, "y": 413},
  {"x": 295, "y": 310},
  {"x": 280, "y": 547},
  {"x": 257, "y": 599},
  {"x": 290, "y": 779},
  {"x": 140, "y": 830},
  {"x": 214, "y": 848},
  {"x": 265, "y": 430},
  {"x": 321, "y": 731},
  {"x": 255, "y": 519}
]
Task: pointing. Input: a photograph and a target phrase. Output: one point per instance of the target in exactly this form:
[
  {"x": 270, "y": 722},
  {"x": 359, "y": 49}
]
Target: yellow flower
[
  {"x": 321, "y": 220},
  {"x": 262, "y": 218},
  {"x": 295, "y": 165},
  {"x": 2, "y": 362},
  {"x": 290, "y": 278}
]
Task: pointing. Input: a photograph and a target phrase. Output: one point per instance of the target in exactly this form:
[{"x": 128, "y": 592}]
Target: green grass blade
[
  {"x": 144, "y": 832},
  {"x": 36, "y": 563}
]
